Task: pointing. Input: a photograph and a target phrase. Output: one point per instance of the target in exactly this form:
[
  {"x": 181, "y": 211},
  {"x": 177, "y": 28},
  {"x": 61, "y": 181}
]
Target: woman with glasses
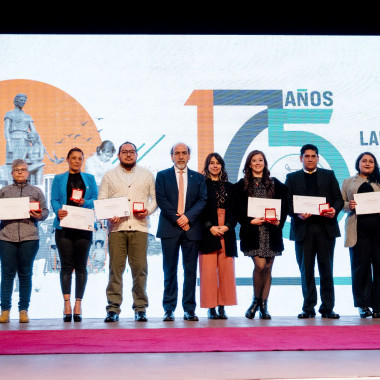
[
  {"x": 19, "y": 242},
  {"x": 73, "y": 244}
]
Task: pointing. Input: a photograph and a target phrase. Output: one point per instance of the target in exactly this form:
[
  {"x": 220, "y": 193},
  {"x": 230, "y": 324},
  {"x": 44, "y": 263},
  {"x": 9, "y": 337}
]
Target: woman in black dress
[{"x": 260, "y": 239}]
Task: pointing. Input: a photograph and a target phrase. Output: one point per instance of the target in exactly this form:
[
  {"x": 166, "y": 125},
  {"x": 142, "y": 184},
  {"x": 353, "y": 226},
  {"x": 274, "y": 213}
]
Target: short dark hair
[
  {"x": 75, "y": 150},
  {"x": 106, "y": 145},
  {"x": 307, "y": 147},
  {"x": 127, "y": 142}
]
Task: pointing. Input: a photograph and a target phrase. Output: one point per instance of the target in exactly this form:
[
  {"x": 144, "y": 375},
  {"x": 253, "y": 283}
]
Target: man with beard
[
  {"x": 128, "y": 236},
  {"x": 181, "y": 196}
]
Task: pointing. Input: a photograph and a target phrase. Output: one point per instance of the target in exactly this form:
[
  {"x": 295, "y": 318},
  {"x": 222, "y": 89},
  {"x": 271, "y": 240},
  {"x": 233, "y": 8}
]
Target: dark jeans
[
  {"x": 73, "y": 248},
  {"x": 316, "y": 244},
  {"x": 17, "y": 258}
]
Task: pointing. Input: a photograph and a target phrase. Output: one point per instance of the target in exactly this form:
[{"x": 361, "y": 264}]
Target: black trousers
[
  {"x": 170, "y": 254},
  {"x": 365, "y": 269},
  {"x": 316, "y": 245},
  {"x": 73, "y": 248}
]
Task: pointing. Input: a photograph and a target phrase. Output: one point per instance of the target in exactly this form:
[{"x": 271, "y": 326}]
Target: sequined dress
[{"x": 258, "y": 191}]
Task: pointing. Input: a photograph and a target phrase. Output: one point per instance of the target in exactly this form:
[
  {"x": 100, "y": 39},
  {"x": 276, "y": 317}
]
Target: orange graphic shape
[
  {"x": 59, "y": 119},
  {"x": 204, "y": 100}
]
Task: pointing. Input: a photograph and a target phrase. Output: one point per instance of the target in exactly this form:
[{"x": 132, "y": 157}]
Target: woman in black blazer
[
  {"x": 218, "y": 246},
  {"x": 260, "y": 239}
]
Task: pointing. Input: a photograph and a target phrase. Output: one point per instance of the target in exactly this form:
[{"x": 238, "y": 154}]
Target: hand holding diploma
[{"x": 352, "y": 204}]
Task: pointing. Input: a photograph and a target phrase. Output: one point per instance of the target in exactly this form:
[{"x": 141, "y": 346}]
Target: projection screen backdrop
[{"x": 229, "y": 94}]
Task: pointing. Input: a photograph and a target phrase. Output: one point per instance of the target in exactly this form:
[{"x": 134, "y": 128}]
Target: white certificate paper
[
  {"x": 367, "y": 203},
  {"x": 307, "y": 205},
  {"x": 108, "y": 208},
  {"x": 79, "y": 218},
  {"x": 14, "y": 208},
  {"x": 257, "y": 206}
]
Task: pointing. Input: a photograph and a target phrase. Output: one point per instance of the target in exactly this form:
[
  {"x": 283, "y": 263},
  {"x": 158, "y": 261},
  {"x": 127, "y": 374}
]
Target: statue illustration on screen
[
  {"x": 101, "y": 162},
  {"x": 22, "y": 141},
  {"x": 35, "y": 153}
]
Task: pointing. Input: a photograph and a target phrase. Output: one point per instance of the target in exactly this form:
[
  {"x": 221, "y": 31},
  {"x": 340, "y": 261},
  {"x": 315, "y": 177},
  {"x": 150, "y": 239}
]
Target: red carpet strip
[{"x": 165, "y": 340}]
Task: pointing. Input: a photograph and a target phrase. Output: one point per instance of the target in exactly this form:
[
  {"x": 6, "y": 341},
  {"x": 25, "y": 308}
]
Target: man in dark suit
[
  {"x": 181, "y": 195},
  {"x": 315, "y": 235}
]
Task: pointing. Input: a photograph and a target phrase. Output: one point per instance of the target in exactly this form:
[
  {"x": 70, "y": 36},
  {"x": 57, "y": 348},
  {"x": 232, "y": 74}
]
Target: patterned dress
[{"x": 258, "y": 191}]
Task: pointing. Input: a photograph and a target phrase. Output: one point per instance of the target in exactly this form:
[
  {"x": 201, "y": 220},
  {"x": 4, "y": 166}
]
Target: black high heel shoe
[
  {"x": 67, "y": 317},
  {"x": 78, "y": 317}
]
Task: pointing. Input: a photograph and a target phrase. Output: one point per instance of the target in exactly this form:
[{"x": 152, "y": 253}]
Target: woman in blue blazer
[{"x": 73, "y": 244}]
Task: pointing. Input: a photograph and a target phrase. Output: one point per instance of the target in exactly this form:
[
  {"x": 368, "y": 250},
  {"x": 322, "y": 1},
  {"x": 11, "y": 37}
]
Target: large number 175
[{"x": 274, "y": 118}]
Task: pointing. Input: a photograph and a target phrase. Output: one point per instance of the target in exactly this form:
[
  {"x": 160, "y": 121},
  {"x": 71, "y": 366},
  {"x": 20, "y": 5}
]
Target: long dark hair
[
  {"x": 375, "y": 175},
  {"x": 223, "y": 174},
  {"x": 248, "y": 176}
]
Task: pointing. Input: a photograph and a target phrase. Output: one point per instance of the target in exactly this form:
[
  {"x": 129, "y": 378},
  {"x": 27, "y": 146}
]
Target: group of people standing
[{"x": 198, "y": 216}]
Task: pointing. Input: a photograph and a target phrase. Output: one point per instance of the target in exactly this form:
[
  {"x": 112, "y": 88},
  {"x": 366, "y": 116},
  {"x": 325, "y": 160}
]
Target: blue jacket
[{"x": 59, "y": 193}]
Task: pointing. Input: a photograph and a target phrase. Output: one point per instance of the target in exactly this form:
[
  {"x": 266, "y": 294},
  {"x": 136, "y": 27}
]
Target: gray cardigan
[
  {"x": 350, "y": 187},
  {"x": 22, "y": 229}
]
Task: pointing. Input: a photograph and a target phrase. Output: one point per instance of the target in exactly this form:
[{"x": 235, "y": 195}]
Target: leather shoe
[
  {"x": 140, "y": 316},
  {"x": 190, "y": 316},
  {"x": 331, "y": 315},
  {"x": 364, "y": 312},
  {"x": 306, "y": 314},
  {"x": 375, "y": 313},
  {"x": 211, "y": 314},
  {"x": 77, "y": 317},
  {"x": 168, "y": 316},
  {"x": 112, "y": 316}
]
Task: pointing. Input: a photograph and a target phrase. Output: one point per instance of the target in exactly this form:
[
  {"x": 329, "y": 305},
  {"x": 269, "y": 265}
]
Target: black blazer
[
  {"x": 249, "y": 233},
  {"x": 328, "y": 187},
  {"x": 211, "y": 243}
]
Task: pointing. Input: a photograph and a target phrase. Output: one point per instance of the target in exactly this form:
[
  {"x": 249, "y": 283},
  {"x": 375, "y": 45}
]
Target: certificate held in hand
[
  {"x": 367, "y": 203},
  {"x": 79, "y": 218},
  {"x": 303, "y": 204},
  {"x": 14, "y": 208},
  {"x": 108, "y": 208},
  {"x": 258, "y": 206}
]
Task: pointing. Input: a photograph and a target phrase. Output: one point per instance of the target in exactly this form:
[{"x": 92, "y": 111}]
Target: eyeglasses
[
  {"x": 22, "y": 170},
  {"x": 131, "y": 152}
]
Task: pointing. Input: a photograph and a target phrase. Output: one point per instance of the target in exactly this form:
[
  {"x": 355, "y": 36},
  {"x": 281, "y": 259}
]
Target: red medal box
[
  {"x": 138, "y": 207},
  {"x": 270, "y": 214},
  {"x": 34, "y": 206},
  {"x": 323, "y": 208},
  {"x": 76, "y": 195}
]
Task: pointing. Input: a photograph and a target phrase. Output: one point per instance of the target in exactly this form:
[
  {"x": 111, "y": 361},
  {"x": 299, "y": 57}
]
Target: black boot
[
  {"x": 264, "y": 314},
  {"x": 250, "y": 313},
  {"x": 221, "y": 313},
  {"x": 211, "y": 313}
]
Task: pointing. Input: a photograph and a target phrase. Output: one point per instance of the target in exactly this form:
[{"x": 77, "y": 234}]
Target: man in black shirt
[{"x": 315, "y": 235}]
